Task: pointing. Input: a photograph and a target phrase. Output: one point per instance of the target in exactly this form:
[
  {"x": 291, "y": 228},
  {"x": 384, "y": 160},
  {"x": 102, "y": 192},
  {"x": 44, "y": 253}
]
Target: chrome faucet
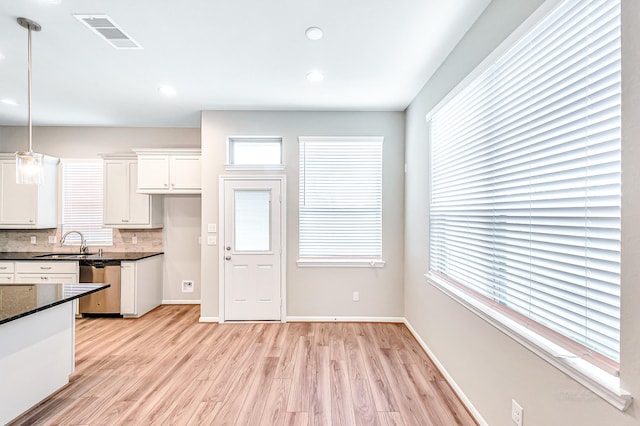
[{"x": 83, "y": 242}]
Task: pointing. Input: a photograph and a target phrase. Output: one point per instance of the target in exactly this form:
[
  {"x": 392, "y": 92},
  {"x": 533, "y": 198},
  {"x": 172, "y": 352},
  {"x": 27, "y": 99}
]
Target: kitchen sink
[{"x": 65, "y": 256}]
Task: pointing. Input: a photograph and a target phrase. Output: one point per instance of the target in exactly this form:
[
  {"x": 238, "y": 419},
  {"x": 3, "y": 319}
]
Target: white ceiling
[{"x": 222, "y": 54}]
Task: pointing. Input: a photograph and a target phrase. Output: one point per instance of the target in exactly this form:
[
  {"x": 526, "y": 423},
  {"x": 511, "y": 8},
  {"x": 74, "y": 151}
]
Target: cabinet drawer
[
  {"x": 46, "y": 278},
  {"x": 6, "y": 267},
  {"x": 6, "y": 278},
  {"x": 46, "y": 267}
]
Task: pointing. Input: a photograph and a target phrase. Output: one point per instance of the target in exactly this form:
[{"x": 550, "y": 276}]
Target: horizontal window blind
[
  {"x": 340, "y": 197},
  {"x": 82, "y": 198},
  {"x": 525, "y": 191}
]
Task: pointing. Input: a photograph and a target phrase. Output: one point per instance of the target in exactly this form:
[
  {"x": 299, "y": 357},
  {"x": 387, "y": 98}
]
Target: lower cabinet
[
  {"x": 140, "y": 286},
  {"x": 46, "y": 272}
]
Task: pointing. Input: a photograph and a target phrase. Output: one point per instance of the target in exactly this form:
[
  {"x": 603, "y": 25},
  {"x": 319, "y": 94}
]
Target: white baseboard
[
  {"x": 209, "y": 319},
  {"x": 344, "y": 319},
  {"x": 474, "y": 412},
  {"x": 180, "y": 302}
]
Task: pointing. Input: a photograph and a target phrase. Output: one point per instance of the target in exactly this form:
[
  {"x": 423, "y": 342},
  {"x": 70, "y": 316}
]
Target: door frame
[{"x": 282, "y": 179}]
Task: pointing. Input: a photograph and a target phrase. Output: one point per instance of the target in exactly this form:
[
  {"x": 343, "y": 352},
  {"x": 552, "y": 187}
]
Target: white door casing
[{"x": 252, "y": 249}]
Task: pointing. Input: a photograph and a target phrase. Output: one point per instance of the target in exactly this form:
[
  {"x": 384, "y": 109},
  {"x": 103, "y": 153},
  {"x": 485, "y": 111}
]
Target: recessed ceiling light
[
  {"x": 313, "y": 33},
  {"x": 167, "y": 90},
  {"x": 9, "y": 102},
  {"x": 315, "y": 76}
]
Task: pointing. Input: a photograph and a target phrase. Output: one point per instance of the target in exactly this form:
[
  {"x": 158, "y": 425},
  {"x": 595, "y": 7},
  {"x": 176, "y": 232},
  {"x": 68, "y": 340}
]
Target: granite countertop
[
  {"x": 42, "y": 256},
  {"x": 20, "y": 300}
]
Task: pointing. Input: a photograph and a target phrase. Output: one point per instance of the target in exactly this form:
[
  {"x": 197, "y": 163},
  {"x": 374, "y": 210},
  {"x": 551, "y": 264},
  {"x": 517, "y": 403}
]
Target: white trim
[
  {"x": 342, "y": 139},
  {"x": 256, "y": 168},
  {"x": 180, "y": 302},
  {"x": 283, "y": 239},
  {"x": 341, "y": 263},
  {"x": 209, "y": 319},
  {"x": 599, "y": 382},
  {"x": 344, "y": 319},
  {"x": 536, "y": 17},
  {"x": 447, "y": 377}
]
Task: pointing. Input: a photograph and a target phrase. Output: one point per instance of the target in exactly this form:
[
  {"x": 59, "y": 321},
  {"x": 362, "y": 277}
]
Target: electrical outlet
[
  {"x": 187, "y": 286},
  {"x": 52, "y": 239},
  {"x": 33, "y": 239},
  {"x": 356, "y": 296},
  {"x": 134, "y": 240},
  {"x": 517, "y": 413}
]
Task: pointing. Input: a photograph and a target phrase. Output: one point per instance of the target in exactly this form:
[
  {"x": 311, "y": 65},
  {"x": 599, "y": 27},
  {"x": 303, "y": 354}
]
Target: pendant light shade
[
  {"x": 29, "y": 167},
  {"x": 29, "y": 164}
]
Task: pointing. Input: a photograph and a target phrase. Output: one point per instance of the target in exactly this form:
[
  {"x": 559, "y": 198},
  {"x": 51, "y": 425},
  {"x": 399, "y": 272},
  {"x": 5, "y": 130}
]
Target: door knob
[
  {"x": 228, "y": 258},
  {"x": 228, "y": 247}
]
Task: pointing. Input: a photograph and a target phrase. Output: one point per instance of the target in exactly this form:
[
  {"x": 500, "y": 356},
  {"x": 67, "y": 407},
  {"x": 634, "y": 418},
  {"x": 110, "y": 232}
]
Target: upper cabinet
[
  {"x": 28, "y": 206},
  {"x": 124, "y": 207},
  {"x": 169, "y": 171}
]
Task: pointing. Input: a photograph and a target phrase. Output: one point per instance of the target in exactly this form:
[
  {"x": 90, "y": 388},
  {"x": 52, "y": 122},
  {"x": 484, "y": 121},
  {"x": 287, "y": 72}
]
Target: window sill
[
  {"x": 601, "y": 383},
  {"x": 264, "y": 168},
  {"x": 341, "y": 263}
]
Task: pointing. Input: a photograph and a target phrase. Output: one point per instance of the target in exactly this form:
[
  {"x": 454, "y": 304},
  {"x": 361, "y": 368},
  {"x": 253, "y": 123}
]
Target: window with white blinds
[
  {"x": 340, "y": 198},
  {"x": 82, "y": 198},
  {"x": 525, "y": 190}
]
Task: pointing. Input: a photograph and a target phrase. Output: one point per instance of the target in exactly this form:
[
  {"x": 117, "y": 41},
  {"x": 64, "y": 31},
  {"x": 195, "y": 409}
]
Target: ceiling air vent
[{"x": 109, "y": 31}]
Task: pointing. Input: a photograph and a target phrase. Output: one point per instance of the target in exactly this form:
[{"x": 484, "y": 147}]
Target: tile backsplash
[{"x": 20, "y": 240}]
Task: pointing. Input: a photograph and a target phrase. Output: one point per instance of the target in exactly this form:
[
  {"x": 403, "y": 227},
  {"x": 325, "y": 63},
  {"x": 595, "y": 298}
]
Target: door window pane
[{"x": 251, "y": 220}]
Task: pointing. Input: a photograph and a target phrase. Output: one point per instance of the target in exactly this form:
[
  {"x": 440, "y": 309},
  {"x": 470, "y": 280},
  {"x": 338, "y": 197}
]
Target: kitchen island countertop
[{"x": 20, "y": 300}]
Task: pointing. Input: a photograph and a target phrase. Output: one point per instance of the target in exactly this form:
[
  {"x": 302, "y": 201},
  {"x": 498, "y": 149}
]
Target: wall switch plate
[
  {"x": 516, "y": 413},
  {"x": 356, "y": 296},
  {"x": 212, "y": 240},
  {"x": 187, "y": 286},
  {"x": 212, "y": 227},
  {"x": 52, "y": 239},
  {"x": 33, "y": 239},
  {"x": 134, "y": 240}
]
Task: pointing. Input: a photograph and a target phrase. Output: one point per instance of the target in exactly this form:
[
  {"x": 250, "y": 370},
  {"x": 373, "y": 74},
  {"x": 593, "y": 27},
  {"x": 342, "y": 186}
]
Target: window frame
[
  {"x": 73, "y": 238},
  {"x": 341, "y": 260},
  {"x": 232, "y": 140},
  {"x": 604, "y": 384}
]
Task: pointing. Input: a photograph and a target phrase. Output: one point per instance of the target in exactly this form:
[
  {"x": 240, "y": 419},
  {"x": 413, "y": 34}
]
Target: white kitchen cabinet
[
  {"x": 124, "y": 207},
  {"x": 6, "y": 272},
  {"x": 28, "y": 206},
  {"x": 140, "y": 286},
  {"x": 169, "y": 171},
  {"x": 46, "y": 272}
]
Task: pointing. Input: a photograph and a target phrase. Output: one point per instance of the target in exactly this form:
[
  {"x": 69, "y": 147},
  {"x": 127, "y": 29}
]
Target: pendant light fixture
[{"x": 29, "y": 164}]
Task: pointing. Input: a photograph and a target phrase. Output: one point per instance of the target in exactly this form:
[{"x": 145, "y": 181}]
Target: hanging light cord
[
  {"x": 30, "y": 26},
  {"x": 29, "y": 88}
]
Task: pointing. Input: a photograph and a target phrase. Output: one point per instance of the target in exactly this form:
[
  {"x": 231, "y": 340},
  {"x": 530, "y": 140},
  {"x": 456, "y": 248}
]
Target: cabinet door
[
  {"x": 116, "y": 190},
  {"x": 185, "y": 172},
  {"x": 18, "y": 203},
  {"x": 128, "y": 288},
  {"x": 153, "y": 172},
  {"x": 139, "y": 204}
]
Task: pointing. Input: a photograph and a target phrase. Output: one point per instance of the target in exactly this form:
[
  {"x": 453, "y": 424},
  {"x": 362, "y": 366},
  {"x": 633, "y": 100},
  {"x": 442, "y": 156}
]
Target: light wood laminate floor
[{"x": 167, "y": 368}]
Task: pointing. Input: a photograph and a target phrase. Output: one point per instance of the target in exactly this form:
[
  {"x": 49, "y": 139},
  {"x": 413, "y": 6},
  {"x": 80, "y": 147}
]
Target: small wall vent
[{"x": 108, "y": 30}]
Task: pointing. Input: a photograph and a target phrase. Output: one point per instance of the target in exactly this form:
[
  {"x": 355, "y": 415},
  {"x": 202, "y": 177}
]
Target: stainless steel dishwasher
[{"x": 101, "y": 271}]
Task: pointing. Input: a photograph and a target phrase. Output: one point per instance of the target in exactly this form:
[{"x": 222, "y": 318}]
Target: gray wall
[
  {"x": 181, "y": 212},
  {"x": 313, "y": 291},
  {"x": 491, "y": 368}
]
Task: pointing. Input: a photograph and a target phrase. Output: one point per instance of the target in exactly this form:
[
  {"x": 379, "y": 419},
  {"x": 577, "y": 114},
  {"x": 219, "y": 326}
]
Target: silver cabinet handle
[
  {"x": 227, "y": 258},
  {"x": 45, "y": 267}
]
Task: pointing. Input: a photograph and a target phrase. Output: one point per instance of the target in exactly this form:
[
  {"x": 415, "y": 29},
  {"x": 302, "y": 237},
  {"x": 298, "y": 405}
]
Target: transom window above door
[{"x": 254, "y": 153}]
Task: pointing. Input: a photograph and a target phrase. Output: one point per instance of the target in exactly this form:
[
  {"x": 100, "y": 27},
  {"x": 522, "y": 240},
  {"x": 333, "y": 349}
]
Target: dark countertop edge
[
  {"x": 51, "y": 305},
  {"x": 8, "y": 256}
]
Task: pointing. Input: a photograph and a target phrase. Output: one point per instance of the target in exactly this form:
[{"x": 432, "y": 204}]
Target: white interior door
[{"x": 252, "y": 249}]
